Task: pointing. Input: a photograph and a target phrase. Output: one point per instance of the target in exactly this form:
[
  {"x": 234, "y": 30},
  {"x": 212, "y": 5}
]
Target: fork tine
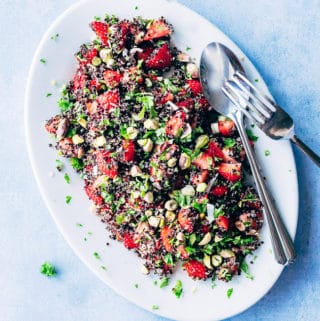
[
  {"x": 228, "y": 90},
  {"x": 264, "y": 100},
  {"x": 257, "y": 103}
]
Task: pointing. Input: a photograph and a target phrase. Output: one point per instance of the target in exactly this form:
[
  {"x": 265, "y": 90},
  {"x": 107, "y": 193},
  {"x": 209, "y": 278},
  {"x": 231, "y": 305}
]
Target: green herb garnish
[
  {"x": 67, "y": 178},
  {"x": 96, "y": 255},
  {"x": 68, "y": 199},
  {"x": 251, "y": 136},
  {"x": 42, "y": 60},
  {"x": 48, "y": 269},
  {"x": 245, "y": 269},
  {"x": 267, "y": 152},
  {"x": 229, "y": 142},
  {"x": 59, "y": 165},
  {"x": 76, "y": 163},
  {"x": 177, "y": 289},
  {"x": 55, "y": 37},
  {"x": 155, "y": 307},
  {"x": 164, "y": 282},
  {"x": 229, "y": 292},
  {"x": 48, "y": 94}
]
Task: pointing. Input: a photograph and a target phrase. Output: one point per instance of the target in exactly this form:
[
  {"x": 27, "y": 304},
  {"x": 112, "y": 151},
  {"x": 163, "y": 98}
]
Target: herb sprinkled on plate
[{"x": 48, "y": 269}]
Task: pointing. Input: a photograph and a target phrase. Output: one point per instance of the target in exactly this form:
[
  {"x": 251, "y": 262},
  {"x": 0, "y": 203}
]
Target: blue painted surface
[{"x": 281, "y": 38}]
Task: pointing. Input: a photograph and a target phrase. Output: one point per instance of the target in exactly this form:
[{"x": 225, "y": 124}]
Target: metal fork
[{"x": 264, "y": 112}]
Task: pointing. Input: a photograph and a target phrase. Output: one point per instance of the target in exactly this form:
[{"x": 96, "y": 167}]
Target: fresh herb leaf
[
  {"x": 59, "y": 165},
  {"x": 245, "y": 269},
  {"x": 48, "y": 269},
  {"x": 200, "y": 207},
  {"x": 136, "y": 285},
  {"x": 64, "y": 104},
  {"x": 164, "y": 282},
  {"x": 155, "y": 307},
  {"x": 68, "y": 199},
  {"x": 79, "y": 225},
  {"x": 188, "y": 48},
  {"x": 103, "y": 267},
  {"x": 76, "y": 163},
  {"x": 251, "y": 136},
  {"x": 177, "y": 289},
  {"x": 48, "y": 94},
  {"x": 42, "y": 60},
  {"x": 229, "y": 292},
  {"x": 96, "y": 255},
  {"x": 229, "y": 142},
  {"x": 267, "y": 152},
  {"x": 55, "y": 37},
  {"x": 218, "y": 211},
  {"x": 67, "y": 178},
  {"x": 168, "y": 259}
]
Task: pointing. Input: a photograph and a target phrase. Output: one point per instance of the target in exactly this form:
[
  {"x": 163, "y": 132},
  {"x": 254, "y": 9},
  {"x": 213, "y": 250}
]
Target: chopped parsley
[
  {"x": 267, "y": 152},
  {"x": 43, "y": 61},
  {"x": 245, "y": 269},
  {"x": 168, "y": 259},
  {"x": 136, "y": 8},
  {"x": 155, "y": 307},
  {"x": 256, "y": 80},
  {"x": 68, "y": 199},
  {"x": 67, "y": 178},
  {"x": 251, "y": 136},
  {"x": 79, "y": 225},
  {"x": 96, "y": 255},
  {"x": 229, "y": 292},
  {"x": 177, "y": 289},
  {"x": 55, "y": 37},
  {"x": 76, "y": 163},
  {"x": 48, "y": 269},
  {"x": 229, "y": 142},
  {"x": 59, "y": 165},
  {"x": 48, "y": 94},
  {"x": 96, "y": 18},
  {"x": 188, "y": 49},
  {"x": 64, "y": 104},
  {"x": 164, "y": 282},
  {"x": 136, "y": 285},
  {"x": 103, "y": 267}
]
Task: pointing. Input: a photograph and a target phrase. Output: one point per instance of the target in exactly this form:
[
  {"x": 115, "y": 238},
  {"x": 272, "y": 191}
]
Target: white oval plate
[{"x": 199, "y": 301}]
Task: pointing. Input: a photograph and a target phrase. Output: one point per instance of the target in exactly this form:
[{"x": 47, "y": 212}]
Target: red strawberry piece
[
  {"x": 166, "y": 97},
  {"x": 187, "y": 103},
  {"x": 145, "y": 54},
  {"x": 128, "y": 242},
  {"x": 205, "y": 229},
  {"x": 195, "y": 86},
  {"x": 106, "y": 164},
  {"x": 101, "y": 29},
  {"x": 185, "y": 221},
  {"x": 158, "y": 29},
  {"x": 175, "y": 124},
  {"x": 123, "y": 32},
  {"x": 214, "y": 150},
  {"x": 223, "y": 222},
  {"x": 195, "y": 269},
  {"x": 231, "y": 172},
  {"x": 112, "y": 78},
  {"x": 204, "y": 161},
  {"x": 166, "y": 237},
  {"x": 79, "y": 80},
  {"x": 160, "y": 58},
  {"x": 182, "y": 251},
  {"x": 129, "y": 150},
  {"x": 219, "y": 190},
  {"x": 94, "y": 84},
  {"x": 89, "y": 56},
  {"x": 109, "y": 100},
  {"x": 182, "y": 92},
  {"x": 200, "y": 177},
  {"x": 203, "y": 102},
  {"x": 226, "y": 127},
  {"x": 93, "y": 195}
]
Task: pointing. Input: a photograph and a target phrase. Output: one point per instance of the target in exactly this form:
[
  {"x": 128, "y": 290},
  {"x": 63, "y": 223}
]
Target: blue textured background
[{"x": 283, "y": 40}]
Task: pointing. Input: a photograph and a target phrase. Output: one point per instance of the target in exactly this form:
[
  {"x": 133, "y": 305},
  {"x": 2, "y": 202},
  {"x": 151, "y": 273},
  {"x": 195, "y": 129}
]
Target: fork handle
[
  {"x": 307, "y": 151},
  {"x": 283, "y": 247}
]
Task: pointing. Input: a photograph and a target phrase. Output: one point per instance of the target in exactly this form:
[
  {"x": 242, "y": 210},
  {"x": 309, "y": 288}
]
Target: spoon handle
[
  {"x": 283, "y": 247},
  {"x": 310, "y": 153}
]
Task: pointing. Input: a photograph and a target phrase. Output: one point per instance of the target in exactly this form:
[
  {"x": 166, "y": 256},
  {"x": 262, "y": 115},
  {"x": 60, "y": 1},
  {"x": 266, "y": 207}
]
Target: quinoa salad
[{"x": 165, "y": 172}]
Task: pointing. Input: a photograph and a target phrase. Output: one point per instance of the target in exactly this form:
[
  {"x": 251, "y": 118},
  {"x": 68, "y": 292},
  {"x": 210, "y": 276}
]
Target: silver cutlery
[{"x": 217, "y": 65}]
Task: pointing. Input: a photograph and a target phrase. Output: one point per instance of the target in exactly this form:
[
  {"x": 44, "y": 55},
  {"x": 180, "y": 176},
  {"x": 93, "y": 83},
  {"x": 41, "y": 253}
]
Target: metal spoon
[{"x": 218, "y": 64}]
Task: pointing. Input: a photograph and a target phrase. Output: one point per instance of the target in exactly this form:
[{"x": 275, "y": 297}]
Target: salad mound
[{"x": 163, "y": 169}]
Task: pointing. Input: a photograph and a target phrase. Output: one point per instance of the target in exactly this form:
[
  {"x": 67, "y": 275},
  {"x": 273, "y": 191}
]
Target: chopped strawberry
[
  {"x": 200, "y": 177},
  {"x": 226, "y": 127},
  {"x": 166, "y": 237},
  {"x": 185, "y": 221},
  {"x": 160, "y": 58},
  {"x": 214, "y": 150},
  {"x": 106, "y": 164},
  {"x": 157, "y": 29},
  {"x": 166, "y": 97},
  {"x": 51, "y": 125},
  {"x": 122, "y": 34},
  {"x": 205, "y": 229},
  {"x": 175, "y": 124},
  {"x": 182, "y": 251},
  {"x": 129, "y": 150},
  {"x": 187, "y": 103},
  {"x": 94, "y": 84},
  {"x": 204, "y": 161},
  {"x": 109, "y": 100},
  {"x": 219, "y": 190},
  {"x": 195, "y": 269},
  {"x": 195, "y": 86},
  {"x": 145, "y": 53},
  {"x": 223, "y": 222},
  {"x": 231, "y": 172},
  {"x": 79, "y": 80},
  {"x": 93, "y": 195},
  {"x": 111, "y": 78},
  {"x": 203, "y": 102},
  {"x": 101, "y": 29},
  {"x": 128, "y": 242}
]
